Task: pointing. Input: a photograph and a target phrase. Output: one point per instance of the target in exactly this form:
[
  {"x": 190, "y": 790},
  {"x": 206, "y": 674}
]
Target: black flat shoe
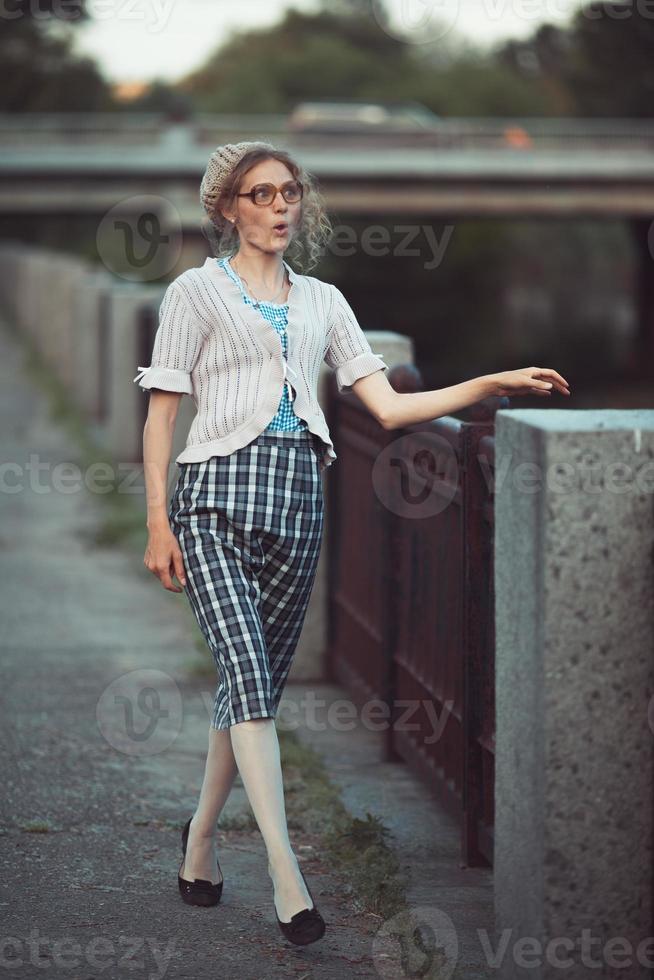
[
  {"x": 306, "y": 926},
  {"x": 200, "y": 891}
]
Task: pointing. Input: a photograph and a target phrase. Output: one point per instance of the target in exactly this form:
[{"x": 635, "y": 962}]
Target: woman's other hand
[{"x": 163, "y": 557}]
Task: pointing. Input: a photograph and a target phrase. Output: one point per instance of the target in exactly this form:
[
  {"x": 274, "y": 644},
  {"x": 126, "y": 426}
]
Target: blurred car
[{"x": 359, "y": 117}]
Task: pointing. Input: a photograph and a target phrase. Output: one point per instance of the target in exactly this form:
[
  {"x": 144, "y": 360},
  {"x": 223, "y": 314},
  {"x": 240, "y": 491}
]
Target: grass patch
[
  {"x": 36, "y": 827},
  {"x": 360, "y": 849},
  {"x": 363, "y": 849}
]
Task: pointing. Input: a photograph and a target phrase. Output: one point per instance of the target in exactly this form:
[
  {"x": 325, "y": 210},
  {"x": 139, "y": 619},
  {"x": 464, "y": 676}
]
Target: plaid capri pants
[{"x": 249, "y": 526}]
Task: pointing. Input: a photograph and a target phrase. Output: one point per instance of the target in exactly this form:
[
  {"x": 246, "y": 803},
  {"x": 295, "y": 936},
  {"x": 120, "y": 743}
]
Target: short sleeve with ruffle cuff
[
  {"x": 176, "y": 348},
  {"x": 169, "y": 379},
  {"x": 349, "y": 352}
]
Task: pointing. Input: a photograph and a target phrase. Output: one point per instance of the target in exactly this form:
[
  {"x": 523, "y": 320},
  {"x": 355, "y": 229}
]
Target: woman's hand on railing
[
  {"x": 163, "y": 557},
  {"x": 529, "y": 381}
]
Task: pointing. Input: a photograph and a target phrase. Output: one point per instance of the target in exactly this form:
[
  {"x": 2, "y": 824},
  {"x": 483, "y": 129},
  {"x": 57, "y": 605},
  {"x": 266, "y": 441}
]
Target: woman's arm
[
  {"x": 157, "y": 447},
  {"x": 395, "y": 409},
  {"x": 163, "y": 556},
  {"x": 359, "y": 368},
  {"x": 176, "y": 348}
]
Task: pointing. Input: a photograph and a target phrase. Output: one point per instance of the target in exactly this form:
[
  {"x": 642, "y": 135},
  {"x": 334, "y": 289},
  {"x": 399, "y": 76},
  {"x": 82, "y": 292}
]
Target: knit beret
[{"x": 221, "y": 163}]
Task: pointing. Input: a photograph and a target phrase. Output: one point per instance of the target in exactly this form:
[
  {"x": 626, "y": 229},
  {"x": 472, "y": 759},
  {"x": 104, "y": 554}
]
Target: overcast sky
[{"x": 141, "y": 39}]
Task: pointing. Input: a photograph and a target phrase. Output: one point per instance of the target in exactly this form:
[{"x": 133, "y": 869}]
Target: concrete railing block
[{"x": 574, "y": 592}]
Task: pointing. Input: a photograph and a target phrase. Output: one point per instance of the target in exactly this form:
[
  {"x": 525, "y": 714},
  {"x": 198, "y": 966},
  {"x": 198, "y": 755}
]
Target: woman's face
[{"x": 256, "y": 222}]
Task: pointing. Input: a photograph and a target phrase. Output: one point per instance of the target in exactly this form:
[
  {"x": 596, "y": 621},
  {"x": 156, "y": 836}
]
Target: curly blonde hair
[{"x": 314, "y": 232}]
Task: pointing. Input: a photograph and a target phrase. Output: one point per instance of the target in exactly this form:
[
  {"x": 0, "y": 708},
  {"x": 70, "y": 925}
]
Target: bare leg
[
  {"x": 256, "y": 750},
  {"x": 219, "y": 772}
]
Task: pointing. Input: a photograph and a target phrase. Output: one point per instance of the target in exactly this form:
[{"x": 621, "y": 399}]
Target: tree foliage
[
  {"x": 39, "y": 70},
  {"x": 601, "y": 65},
  {"x": 304, "y": 56},
  {"x": 613, "y": 73}
]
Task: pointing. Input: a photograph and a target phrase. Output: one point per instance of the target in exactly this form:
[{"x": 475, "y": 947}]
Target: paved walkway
[{"x": 93, "y": 651}]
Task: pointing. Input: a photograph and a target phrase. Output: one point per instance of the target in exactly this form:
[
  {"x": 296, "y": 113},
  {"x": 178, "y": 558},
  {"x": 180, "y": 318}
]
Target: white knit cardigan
[{"x": 222, "y": 352}]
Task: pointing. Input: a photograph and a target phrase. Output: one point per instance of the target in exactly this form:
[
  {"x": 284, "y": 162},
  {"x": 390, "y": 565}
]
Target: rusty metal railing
[{"x": 411, "y": 595}]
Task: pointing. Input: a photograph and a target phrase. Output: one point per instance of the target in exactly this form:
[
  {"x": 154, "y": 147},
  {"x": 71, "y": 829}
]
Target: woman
[{"x": 243, "y": 530}]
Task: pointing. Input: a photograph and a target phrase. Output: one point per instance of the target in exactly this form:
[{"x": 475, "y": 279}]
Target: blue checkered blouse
[{"x": 277, "y": 316}]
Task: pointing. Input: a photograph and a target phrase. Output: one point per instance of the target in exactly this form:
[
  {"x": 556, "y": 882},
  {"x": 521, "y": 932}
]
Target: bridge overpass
[
  {"x": 460, "y": 168},
  {"x": 541, "y": 168}
]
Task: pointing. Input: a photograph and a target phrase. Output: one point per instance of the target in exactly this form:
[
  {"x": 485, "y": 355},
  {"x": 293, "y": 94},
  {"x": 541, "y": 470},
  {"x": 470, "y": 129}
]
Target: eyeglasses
[{"x": 263, "y": 194}]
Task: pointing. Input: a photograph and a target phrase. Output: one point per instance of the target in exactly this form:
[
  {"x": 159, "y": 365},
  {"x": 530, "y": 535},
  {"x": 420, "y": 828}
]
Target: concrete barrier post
[
  {"x": 574, "y": 586},
  {"x": 123, "y": 428}
]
